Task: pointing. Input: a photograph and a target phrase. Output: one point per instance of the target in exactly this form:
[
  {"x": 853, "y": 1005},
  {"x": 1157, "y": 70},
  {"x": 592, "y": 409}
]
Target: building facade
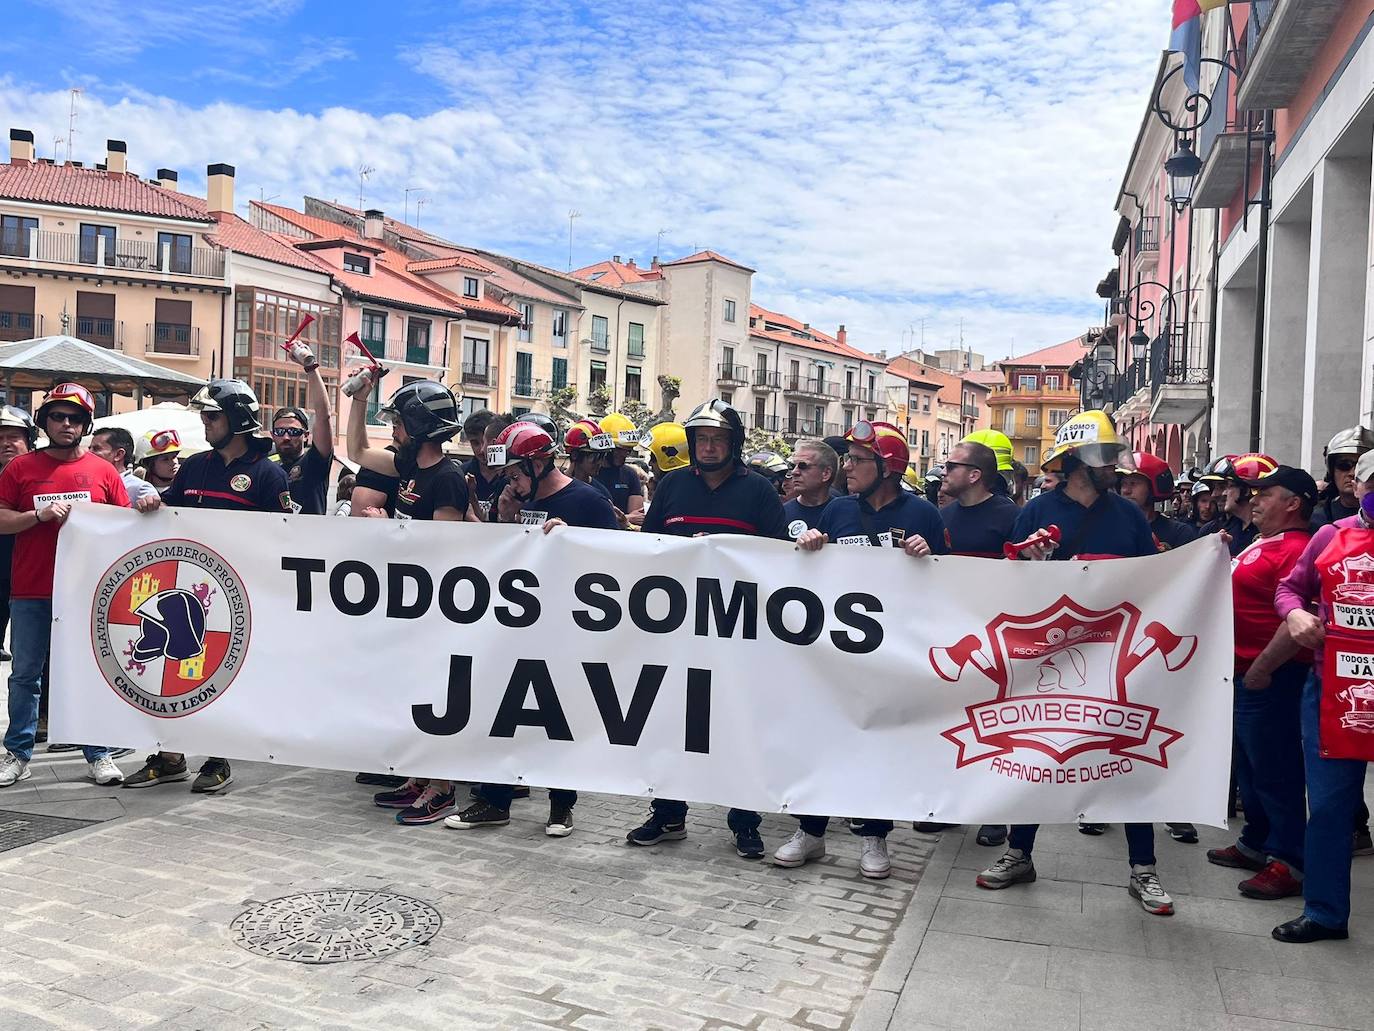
[{"x": 1035, "y": 399}]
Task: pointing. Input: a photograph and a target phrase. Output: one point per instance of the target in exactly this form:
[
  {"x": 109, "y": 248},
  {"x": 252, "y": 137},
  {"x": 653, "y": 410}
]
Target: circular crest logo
[
  {"x": 241, "y": 482},
  {"x": 796, "y": 528},
  {"x": 170, "y": 626}
]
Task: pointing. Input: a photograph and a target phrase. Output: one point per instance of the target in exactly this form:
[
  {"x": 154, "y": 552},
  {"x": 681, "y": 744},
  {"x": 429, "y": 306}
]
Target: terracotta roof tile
[
  {"x": 793, "y": 332},
  {"x": 692, "y": 259},
  {"x": 95, "y": 189},
  {"x": 451, "y": 261},
  {"x": 617, "y": 273},
  {"x": 1059, "y": 356}
]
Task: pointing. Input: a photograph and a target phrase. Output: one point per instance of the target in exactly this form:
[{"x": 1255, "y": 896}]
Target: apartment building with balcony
[
  {"x": 425, "y": 317},
  {"x": 135, "y": 265},
  {"x": 935, "y": 408},
  {"x": 1306, "y": 69},
  {"x": 1036, "y": 398},
  {"x": 798, "y": 381}
]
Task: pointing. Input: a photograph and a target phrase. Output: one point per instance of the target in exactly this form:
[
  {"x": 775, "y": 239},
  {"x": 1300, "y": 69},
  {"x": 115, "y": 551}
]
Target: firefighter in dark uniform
[
  {"x": 717, "y": 494},
  {"x": 237, "y": 475}
]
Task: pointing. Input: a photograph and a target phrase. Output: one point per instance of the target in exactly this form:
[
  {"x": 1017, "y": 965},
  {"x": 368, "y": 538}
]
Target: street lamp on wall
[
  {"x": 1183, "y": 170},
  {"x": 1139, "y": 341}
]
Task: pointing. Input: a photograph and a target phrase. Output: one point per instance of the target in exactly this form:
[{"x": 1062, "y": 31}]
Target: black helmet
[
  {"x": 714, "y": 412},
  {"x": 235, "y": 399},
  {"x": 428, "y": 411},
  {"x": 543, "y": 422},
  {"x": 12, "y": 415}
]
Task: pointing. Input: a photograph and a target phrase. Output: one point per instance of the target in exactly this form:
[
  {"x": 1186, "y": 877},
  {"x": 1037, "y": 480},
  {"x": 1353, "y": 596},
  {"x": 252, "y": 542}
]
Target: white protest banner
[{"x": 851, "y": 682}]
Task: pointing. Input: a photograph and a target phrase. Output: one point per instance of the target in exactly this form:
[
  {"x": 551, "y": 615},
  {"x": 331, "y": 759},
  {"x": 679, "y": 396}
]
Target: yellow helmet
[
  {"x": 998, "y": 441},
  {"x": 667, "y": 442},
  {"x": 914, "y": 480},
  {"x": 620, "y": 429},
  {"x": 1090, "y": 437}
]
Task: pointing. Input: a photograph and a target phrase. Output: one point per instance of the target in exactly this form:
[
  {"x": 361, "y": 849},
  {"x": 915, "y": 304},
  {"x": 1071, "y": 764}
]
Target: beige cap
[{"x": 1364, "y": 468}]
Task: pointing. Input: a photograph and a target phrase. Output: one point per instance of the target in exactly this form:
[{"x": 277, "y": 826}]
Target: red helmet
[
  {"x": 1157, "y": 471},
  {"x": 520, "y": 442},
  {"x": 884, "y": 440},
  {"x": 69, "y": 393},
  {"x": 586, "y": 435},
  {"x": 1252, "y": 466}
]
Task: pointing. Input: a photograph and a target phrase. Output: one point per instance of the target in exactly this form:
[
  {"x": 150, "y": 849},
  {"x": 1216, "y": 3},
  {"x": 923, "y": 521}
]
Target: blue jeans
[
  {"x": 501, "y": 796},
  {"x": 1335, "y": 788},
  {"x": 672, "y": 811},
  {"x": 30, "y": 635},
  {"x": 1269, "y": 766},
  {"x": 1140, "y": 841}
]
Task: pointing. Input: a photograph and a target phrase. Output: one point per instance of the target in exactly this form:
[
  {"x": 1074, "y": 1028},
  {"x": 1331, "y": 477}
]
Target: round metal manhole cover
[{"x": 335, "y": 926}]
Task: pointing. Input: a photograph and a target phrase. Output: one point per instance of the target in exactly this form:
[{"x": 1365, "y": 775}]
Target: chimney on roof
[
  {"x": 372, "y": 224},
  {"x": 21, "y": 146},
  {"x": 74, "y": 164},
  {"x": 116, "y": 156},
  {"x": 806, "y": 325},
  {"x": 167, "y": 179},
  {"x": 631, "y": 263},
  {"x": 842, "y": 336},
  {"x": 615, "y": 258},
  {"x": 219, "y": 189},
  {"x": 654, "y": 262}
]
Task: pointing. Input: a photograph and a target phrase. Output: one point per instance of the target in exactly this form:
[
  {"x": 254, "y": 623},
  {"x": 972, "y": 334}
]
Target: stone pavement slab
[
  {"x": 126, "y": 924},
  {"x": 1073, "y": 950}
]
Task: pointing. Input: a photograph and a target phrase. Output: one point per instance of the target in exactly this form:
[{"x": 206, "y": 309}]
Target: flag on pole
[{"x": 1187, "y": 36}]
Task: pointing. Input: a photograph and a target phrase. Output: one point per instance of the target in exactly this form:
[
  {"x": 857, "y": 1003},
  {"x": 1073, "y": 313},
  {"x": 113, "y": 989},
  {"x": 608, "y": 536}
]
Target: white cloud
[{"x": 877, "y": 162}]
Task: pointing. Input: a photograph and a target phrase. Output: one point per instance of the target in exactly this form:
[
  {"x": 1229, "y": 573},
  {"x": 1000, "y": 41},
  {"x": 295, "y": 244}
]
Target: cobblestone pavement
[{"x": 126, "y": 924}]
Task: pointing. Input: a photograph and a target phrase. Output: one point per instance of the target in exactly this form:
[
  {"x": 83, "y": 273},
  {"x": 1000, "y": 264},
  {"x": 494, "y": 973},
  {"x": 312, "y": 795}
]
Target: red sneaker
[
  {"x": 1234, "y": 858},
  {"x": 1275, "y": 881}
]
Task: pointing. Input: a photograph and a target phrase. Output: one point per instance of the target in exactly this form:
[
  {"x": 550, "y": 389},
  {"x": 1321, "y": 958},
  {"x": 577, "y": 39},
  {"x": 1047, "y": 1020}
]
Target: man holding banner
[
  {"x": 1091, "y": 522},
  {"x": 718, "y": 494},
  {"x": 237, "y": 475},
  {"x": 524, "y": 455}
]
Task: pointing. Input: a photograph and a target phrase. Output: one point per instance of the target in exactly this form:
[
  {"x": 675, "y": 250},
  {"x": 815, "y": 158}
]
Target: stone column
[
  {"x": 1335, "y": 338},
  {"x": 1285, "y": 340},
  {"x": 1235, "y": 361}
]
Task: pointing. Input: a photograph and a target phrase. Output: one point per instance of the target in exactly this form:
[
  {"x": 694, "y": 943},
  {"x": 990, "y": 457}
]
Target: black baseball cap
[
  {"x": 840, "y": 445},
  {"x": 1298, "y": 481}
]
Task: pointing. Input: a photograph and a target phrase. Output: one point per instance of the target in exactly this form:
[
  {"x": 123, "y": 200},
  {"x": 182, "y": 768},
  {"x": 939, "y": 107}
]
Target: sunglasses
[
  {"x": 288, "y": 431},
  {"x": 954, "y": 465},
  {"x": 75, "y": 418},
  {"x": 801, "y": 467},
  {"x": 1343, "y": 465}
]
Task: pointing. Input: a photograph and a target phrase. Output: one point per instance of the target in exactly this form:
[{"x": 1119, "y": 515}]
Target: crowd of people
[{"x": 1296, "y": 545}]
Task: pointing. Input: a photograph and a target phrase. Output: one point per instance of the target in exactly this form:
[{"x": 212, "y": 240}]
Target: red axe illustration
[
  {"x": 949, "y": 662},
  {"x": 1156, "y": 637}
]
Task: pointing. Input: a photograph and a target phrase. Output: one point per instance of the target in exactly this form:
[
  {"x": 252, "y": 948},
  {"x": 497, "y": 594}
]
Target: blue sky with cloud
[{"x": 879, "y": 163}]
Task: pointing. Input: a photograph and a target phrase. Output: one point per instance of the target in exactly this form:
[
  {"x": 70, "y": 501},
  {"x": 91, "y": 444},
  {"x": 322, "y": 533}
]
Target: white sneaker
[
  {"x": 874, "y": 862},
  {"x": 104, "y": 772},
  {"x": 799, "y": 849},
  {"x": 13, "y": 769},
  {"x": 1146, "y": 887}
]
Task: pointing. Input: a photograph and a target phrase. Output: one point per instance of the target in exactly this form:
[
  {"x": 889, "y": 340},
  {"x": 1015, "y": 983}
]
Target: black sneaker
[
  {"x": 157, "y": 770},
  {"x": 560, "y": 823},
  {"x": 1184, "y": 833},
  {"x": 1093, "y": 830},
  {"x": 932, "y": 828},
  {"x": 40, "y": 733},
  {"x": 62, "y": 747},
  {"x": 1362, "y": 845},
  {"x": 748, "y": 844},
  {"x": 654, "y": 829},
  {"x": 5, "y": 656},
  {"x": 479, "y": 814},
  {"x": 214, "y": 776},
  {"x": 991, "y": 834},
  {"x": 379, "y": 780},
  {"x": 402, "y": 797}
]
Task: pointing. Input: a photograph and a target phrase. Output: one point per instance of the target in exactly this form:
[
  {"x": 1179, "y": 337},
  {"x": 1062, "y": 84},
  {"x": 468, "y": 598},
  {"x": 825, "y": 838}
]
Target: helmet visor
[
  {"x": 1099, "y": 456},
  {"x": 164, "y": 441},
  {"x": 204, "y": 401}
]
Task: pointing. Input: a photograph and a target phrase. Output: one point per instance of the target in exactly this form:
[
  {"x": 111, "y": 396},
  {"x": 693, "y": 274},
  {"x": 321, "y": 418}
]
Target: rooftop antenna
[
  {"x": 409, "y": 190},
  {"x": 573, "y": 216},
  {"x": 420, "y": 202},
  {"x": 71, "y": 121},
  {"x": 56, "y": 142},
  {"x": 364, "y": 171},
  {"x": 659, "y": 249},
  {"x": 262, "y": 199}
]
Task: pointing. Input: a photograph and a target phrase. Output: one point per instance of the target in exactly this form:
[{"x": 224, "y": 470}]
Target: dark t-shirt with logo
[
  {"x": 487, "y": 491},
  {"x": 424, "y": 491},
  {"x": 623, "y": 483},
  {"x": 577, "y": 504},
  {"x": 250, "y": 483},
  {"x": 980, "y": 530},
  {"x": 801, "y": 518},
  {"x": 309, "y": 480},
  {"x": 851, "y": 521}
]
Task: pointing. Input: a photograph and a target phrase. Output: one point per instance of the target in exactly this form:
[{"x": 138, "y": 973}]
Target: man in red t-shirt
[
  {"x": 1270, "y": 673},
  {"x": 37, "y": 491}
]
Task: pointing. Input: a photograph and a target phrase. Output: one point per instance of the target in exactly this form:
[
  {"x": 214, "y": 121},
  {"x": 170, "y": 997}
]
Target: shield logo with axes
[{"x": 1061, "y": 676}]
